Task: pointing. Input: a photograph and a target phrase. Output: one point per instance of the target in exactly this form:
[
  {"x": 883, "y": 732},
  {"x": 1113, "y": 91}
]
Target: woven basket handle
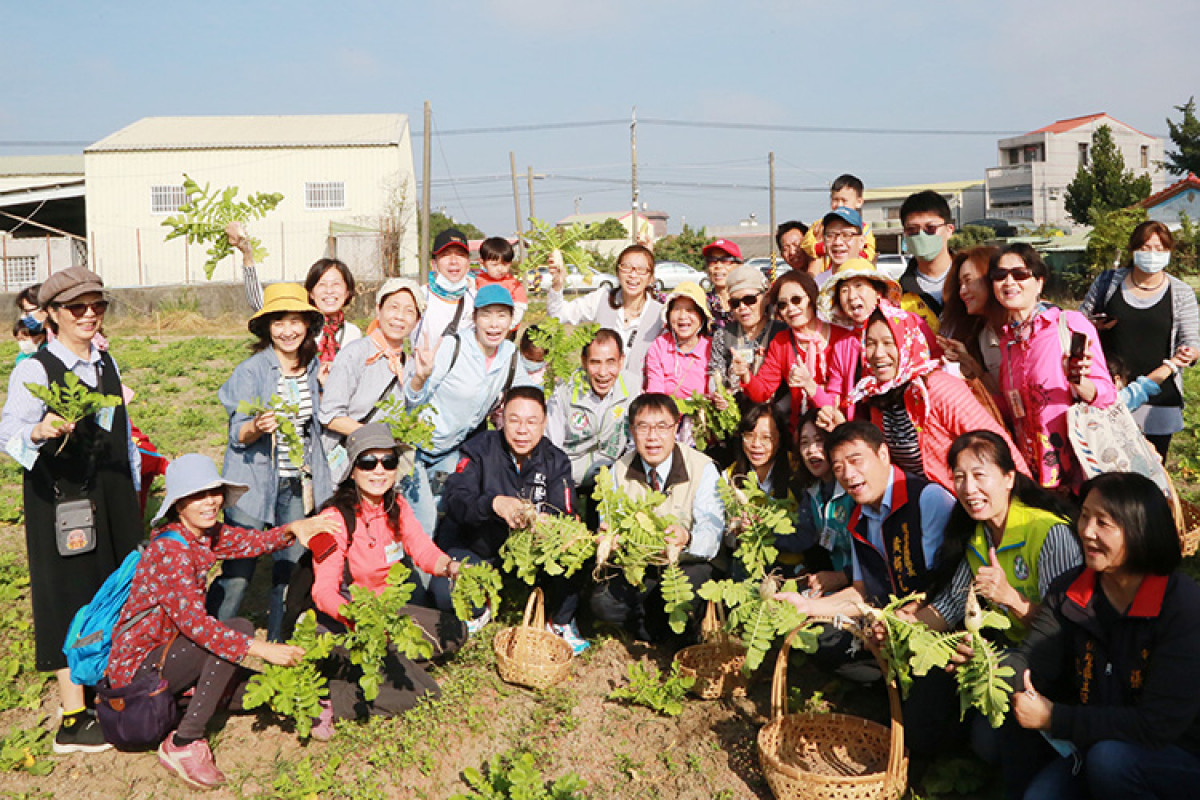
[
  {"x": 1176, "y": 508},
  {"x": 779, "y": 679},
  {"x": 713, "y": 622},
  {"x": 535, "y": 610}
]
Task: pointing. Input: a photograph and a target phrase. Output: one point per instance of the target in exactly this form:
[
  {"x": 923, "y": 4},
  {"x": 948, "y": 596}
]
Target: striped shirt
[
  {"x": 901, "y": 436},
  {"x": 295, "y": 392}
]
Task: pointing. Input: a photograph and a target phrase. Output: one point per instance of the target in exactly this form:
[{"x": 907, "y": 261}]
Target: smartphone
[{"x": 1078, "y": 343}]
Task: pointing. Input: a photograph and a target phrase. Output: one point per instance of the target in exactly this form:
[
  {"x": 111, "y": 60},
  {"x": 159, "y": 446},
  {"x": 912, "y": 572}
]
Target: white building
[
  {"x": 1030, "y": 185},
  {"x": 881, "y": 207},
  {"x": 338, "y": 174}
]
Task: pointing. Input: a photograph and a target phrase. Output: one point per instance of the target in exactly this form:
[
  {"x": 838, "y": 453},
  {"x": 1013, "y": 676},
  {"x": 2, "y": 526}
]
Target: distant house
[
  {"x": 42, "y": 218},
  {"x": 881, "y": 208},
  {"x": 343, "y": 177},
  {"x": 1029, "y": 185},
  {"x": 650, "y": 221},
  {"x": 1182, "y": 197}
]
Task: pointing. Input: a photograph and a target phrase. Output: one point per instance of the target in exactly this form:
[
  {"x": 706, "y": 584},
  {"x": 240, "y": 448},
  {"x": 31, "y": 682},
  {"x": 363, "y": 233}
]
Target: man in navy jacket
[{"x": 498, "y": 474}]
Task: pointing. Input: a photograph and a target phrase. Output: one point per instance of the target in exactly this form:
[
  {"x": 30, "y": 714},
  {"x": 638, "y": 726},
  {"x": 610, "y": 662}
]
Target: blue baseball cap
[
  {"x": 846, "y": 214},
  {"x": 493, "y": 295}
]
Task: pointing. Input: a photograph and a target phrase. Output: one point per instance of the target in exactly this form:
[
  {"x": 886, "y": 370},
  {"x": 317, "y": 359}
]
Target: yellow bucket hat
[
  {"x": 692, "y": 291},
  {"x": 827, "y": 305},
  {"x": 284, "y": 298}
]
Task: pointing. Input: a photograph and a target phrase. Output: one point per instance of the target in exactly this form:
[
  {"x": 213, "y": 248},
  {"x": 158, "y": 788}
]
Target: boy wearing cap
[
  {"x": 450, "y": 295},
  {"x": 495, "y": 261},
  {"x": 720, "y": 257},
  {"x": 927, "y": 230},
  {"x": 846, "y": 192}
]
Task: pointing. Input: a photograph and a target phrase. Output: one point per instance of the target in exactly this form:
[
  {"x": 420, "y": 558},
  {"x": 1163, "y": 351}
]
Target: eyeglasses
[
  {"x": 634, "y": 269},
  {"x": 1017, "y": 274},
  {"x": 368, "y": 463},
  {"x": 723, "y": 260},
  {"x": 798, "y": 300},
  {"x": 737, "y": 302},
  {"x": 660, "y": 428},
  {"x": 749, "y": 437},
  {"x": 930, "y": 228},
  {"x": 79, "y": 309},
  {"x": 845, "y": 236}
]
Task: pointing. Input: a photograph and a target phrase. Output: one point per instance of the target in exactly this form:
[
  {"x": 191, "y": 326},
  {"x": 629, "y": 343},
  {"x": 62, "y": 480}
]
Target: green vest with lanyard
[{"x": 1024, "y": 534}]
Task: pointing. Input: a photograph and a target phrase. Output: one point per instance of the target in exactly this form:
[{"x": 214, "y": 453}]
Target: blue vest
[{"x": 900, "y": 568}]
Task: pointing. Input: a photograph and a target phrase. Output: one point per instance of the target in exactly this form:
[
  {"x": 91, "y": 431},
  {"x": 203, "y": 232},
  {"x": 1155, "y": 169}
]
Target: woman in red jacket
[{"x": 920, "y": 409}]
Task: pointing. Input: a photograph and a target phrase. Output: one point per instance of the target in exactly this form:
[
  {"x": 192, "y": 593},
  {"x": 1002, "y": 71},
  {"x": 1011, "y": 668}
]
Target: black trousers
[{"x": 641, "y": 611}]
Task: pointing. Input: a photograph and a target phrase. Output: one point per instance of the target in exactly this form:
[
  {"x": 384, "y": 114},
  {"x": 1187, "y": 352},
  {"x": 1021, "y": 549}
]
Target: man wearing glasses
[
  {"x": 842, "y": 235},
  {"x": 688, "y": 480},
  {"x": 927, "y": 230}
]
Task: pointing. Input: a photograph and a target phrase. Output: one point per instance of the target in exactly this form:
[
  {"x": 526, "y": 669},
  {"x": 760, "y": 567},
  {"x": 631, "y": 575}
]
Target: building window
[
  {"x": 20, "y": 271},
  {"x": 324, "y": 195},
  {"x": 1014, "y": 156},
  {"x": 1145, "y": 156},
  {"x": 1083, "y": 154},
  {"x": 1033, "y": 153},
  {"x": 166, "y": 199}
]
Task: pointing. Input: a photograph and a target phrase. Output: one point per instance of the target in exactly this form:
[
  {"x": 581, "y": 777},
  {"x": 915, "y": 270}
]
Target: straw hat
[
  {"x": 827, "y": 306},
  {"x": 283, "y": 298},
  {"x": 691, "y": 291}
]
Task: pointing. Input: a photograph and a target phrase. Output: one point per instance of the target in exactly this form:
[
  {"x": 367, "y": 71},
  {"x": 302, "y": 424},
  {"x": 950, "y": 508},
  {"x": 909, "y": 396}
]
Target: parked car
[
  {"x": 891, "y": 264},
  {"x": 669, "y": 274},
  {"x": 764, "y": 265},
  {"x": 538, "y": 279}
]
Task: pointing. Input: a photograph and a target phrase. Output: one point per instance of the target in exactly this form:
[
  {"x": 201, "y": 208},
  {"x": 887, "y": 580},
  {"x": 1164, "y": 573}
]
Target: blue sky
[{"x": 79, "y": 71}]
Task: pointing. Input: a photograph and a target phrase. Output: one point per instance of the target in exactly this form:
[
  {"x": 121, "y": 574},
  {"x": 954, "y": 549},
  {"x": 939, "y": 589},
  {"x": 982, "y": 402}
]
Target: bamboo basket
[
  {"x": 717, "y": 662},
  {"x": 529, "y": 655},
  {"x": 1187, "y": 520},
  {"x": 830, "y": 756}
]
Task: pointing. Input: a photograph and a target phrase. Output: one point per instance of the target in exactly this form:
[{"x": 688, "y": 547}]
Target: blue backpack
[{"x": 90, "y": 637}]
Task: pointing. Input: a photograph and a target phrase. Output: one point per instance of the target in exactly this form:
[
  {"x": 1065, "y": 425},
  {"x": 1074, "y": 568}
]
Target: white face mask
[
  {"x": 531, "y": 367},
  {"x": 448, "y": 286},
  {"x": 1150, "y": 260},
  {"x": 27, "y": 346}
]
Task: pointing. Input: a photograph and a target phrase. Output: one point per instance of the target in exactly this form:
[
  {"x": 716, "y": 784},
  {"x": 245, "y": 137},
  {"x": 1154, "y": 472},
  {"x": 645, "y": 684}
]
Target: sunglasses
[
  {"x": 79, "y": 309},
  {"x": 930, "y": 228},
  {"x": 1018, "y": 274},
  {"x": 723, "y": 260},
  {"x": 797, "y": 300},
  {"x": 737, "y": 302},
  {"x": 368, "y": 463}
]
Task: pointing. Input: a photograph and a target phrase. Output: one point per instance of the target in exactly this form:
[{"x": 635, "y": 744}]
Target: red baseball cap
[{"x": 725, "y": 246}]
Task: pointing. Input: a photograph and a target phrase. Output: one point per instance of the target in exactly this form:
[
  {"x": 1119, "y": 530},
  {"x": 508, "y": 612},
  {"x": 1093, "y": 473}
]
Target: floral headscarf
[{"x": 914, "y": 360}]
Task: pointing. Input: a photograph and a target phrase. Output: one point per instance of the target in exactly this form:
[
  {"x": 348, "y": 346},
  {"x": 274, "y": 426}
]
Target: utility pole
[
  {"x": 423, "y": 256},
  {"x": 512, "y": 163},
  {"x": 771, "y": 170},
  {"x": 529, "y": 177},
  {"x": 633, "y": 221}
]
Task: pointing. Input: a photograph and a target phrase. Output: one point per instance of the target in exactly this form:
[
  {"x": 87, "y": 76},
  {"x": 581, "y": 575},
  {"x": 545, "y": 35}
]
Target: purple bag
[{"x": 138, "y": 716}]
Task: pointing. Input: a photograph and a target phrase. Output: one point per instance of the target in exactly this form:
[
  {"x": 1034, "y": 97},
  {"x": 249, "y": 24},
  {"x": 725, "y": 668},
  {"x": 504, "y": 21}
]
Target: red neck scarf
[{"x": 329, "y": 336}]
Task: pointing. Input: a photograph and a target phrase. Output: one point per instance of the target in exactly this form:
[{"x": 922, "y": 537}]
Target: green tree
[
  {"x": 1104, "y": 184},
  {"x": 439, "y": 222},
  {"x": 686, "y": 246},
  {"x": 971, "y": 236},
  {"x": 1185, "y": 260},
  {"x": 1110, "y": 236},
  {"x": 1186, "y": 136},
  {"x": 609, "y": 229}
]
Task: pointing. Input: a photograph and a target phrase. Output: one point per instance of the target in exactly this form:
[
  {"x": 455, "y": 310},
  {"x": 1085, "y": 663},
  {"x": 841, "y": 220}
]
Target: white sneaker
[
  {"x": 476, "y": 625},
  {"x": 569, "y": 633}
]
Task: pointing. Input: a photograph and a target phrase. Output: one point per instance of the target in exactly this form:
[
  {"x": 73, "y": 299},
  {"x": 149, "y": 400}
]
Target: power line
[{"x": 759, "y": 126}]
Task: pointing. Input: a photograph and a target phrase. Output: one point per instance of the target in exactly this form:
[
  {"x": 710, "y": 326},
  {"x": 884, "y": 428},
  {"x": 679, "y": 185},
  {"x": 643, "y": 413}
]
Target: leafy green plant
[
  {"x": 543, "y": 239},
  {"x": 72, "y": 400},
  {"x": 711, "y": 425},
  {"x": 27, "y": 750},
  {"x": 756, "y": 617},
  {"x": 677, "y": 595},
  {"x": 21, "y": 684},
  {"x": 647, "y": 687},
  {"x": 205, "y": 214},
  {"x": 563, "y": 345},
  {"x": 285, "y": 416},
  {"x": 304, "y": 781},
  {"x": 982, "y": 681},
  {"x": 556, "y": 544},
  {"x": 377, "y": 620},
  {"x": 475, "y": 585},
  {"x": 411, "y": 426},
  {"x": 511, "y": 777},
  {"x": 296, "y": 691},
  {"x": 756, "y": 519},
  {"x": 635, "y": 533}
]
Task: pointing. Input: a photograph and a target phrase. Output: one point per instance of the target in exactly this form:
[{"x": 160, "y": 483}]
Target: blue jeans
[
  {"x": 226, "y": 593},
  {"x": 1115, "y": 770},
  {"x": 414, "y": 488}
]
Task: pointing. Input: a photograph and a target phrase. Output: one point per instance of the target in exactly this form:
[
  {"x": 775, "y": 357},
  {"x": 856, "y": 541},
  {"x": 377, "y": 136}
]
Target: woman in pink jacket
[
  {"x": 677, "y": 362},
  {"x": 1038, "y": 381},
  {"x": 920, "y": 409},
  {"x": 385, "y": 532}
]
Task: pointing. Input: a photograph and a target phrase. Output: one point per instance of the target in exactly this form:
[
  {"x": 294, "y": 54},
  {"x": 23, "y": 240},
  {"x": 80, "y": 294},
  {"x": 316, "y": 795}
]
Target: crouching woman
[
  {"x": 385, "y": 531},
  {"x": 166, "y": 608}
]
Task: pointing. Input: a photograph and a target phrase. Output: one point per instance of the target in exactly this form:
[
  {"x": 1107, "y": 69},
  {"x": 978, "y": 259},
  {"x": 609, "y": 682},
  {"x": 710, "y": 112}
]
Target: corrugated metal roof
[
  {"x": 20, "y": 166},
  {"x": 948, "y": 187},
  {"x": 219, "y": 133}
]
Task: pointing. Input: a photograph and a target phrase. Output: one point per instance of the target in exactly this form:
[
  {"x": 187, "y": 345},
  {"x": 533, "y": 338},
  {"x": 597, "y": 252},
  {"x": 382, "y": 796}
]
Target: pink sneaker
[
  {"x": 193, "y": 763},
  {"x": 323, "y": 731}
]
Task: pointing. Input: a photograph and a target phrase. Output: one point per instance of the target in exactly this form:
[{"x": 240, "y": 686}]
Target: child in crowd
[
  {"x": 846, "y": 192},
  {"x": 532, "y": 357},
  {"x": 28, "y": 342},
  {"x": 495, "y": 260},
  {"x": 1134, "y": 394}
]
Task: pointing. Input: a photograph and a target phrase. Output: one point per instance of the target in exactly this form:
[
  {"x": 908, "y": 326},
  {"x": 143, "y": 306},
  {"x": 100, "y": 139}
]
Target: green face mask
[{"x": 925, "y": 246}]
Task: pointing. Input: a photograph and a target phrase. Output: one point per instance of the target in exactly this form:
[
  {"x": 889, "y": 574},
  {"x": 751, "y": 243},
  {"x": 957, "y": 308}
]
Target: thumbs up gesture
[
  {"x": 1033, "y": 711},
  {"x": 992, "y": 583}
]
